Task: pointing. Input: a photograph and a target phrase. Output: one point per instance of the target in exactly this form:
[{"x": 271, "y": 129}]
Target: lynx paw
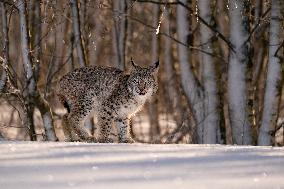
[
  {"x": 91, "y": 139},
  {"x": 105, "y": 140},
  {"x": 127, "y": 140}
]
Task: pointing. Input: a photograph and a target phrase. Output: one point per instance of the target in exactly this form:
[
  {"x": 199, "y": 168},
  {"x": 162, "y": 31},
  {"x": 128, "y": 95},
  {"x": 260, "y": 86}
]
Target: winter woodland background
[{"x": 220, "y": 79}]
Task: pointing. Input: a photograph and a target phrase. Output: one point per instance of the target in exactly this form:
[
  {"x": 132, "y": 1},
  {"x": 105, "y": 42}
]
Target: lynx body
[{"x": 110, "y": 94}]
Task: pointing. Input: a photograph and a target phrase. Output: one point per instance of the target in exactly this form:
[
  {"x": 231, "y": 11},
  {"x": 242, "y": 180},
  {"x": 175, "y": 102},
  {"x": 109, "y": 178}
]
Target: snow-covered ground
[{"x": 38, "y": 165}]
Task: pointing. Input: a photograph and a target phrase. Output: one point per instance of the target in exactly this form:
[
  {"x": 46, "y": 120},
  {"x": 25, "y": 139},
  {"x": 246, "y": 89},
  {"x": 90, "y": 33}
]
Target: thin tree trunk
[
  {"x": 238, "y": 61},
  {"x": 32, "y": 94},
  {"x": 119, "y": 32},
  {"x": 170, "y": 80},
  {"x": 77, "y": 33},
  {"x": 30, "y": 80},
  {"x": 84, "y": 27},
  {"x": 211, "y": 119},
  {"x": 259, "y": 65},
  {"x": 180, "y": 112},
  {"x": 153, "y": 106},
  {"x": 272, "y": 88},
  {"x": 5, "y": 45},
  {"x": 190, "y": 84},
  {"x": 96, "y": 45},
  {"x": 37, "y": 38}
]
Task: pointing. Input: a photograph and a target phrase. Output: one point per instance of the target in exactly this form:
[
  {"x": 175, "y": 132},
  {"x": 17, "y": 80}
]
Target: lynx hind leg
[
  {"x": 67, "y": 130},
  {"x": 78, "y": 131},
  {"x": 79, "y": 112},
  {"x": 105, "y": 127},
  {"x": 123, "y": 130}
]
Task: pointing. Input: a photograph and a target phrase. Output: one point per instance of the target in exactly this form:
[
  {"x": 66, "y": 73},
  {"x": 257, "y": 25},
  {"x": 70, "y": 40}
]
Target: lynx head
[{"x": 143, "y": 81}]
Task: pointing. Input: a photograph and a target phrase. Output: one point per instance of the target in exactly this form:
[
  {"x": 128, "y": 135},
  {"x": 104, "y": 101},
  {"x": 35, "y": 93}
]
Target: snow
[{"x": 34, "y": 165}]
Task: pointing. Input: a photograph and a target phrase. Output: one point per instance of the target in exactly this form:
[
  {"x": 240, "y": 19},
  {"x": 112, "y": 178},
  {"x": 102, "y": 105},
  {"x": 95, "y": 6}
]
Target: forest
[{"x": 220, "y": 77}]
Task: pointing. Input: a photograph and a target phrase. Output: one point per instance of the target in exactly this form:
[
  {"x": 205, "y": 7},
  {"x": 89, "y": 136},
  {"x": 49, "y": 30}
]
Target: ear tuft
[
  {"x": 133, "y": 63},
  {"x": 154, "y": 67},
  {"x": 157, "y": 64}
]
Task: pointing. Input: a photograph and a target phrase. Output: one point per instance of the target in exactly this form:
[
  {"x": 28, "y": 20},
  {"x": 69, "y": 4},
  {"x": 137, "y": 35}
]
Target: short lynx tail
[
  {"x": 66, "y": 105},
  {"x": 64, "y": 102}
]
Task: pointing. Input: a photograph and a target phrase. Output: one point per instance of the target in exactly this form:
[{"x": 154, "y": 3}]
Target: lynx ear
[{"x": 154, "y": 67}]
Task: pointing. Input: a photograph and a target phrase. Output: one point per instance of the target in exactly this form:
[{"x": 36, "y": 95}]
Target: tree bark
[
  {"x": 211, "y": 114},
  {"x": 77, "y": 33},
  {"x": 153, "y": 106},
  {"x": 241, "y": 128},
  {"x": 37, "y": 37},
  {"x": 5, "y": 45},
  {"x": 119, "y": 32},
  {"x": 272, "y": 88},
  {"x": 192, "y": 88},
  {"x": 32, "y": 96},
  {"x": 180, "y": 112}
]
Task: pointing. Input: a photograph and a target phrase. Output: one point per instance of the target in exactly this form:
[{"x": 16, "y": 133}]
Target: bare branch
[{"x": 218, "y": 33}]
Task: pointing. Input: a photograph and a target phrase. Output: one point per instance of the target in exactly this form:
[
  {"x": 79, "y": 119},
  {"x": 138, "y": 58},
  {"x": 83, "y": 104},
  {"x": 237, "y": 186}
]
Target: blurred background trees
[{"x": 220, "y": 80}]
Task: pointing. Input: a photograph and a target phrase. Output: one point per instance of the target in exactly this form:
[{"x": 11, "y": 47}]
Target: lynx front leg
[
  {"x": 105, "y": 125},
  {"x": 123, "y": 128}
]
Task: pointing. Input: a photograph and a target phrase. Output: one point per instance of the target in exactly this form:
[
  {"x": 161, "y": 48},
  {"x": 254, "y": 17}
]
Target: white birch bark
[
  {"x": 3, "y": 78},
  {"x": 241, "y": 130},
  {"x": 270, "y": 110},
  {"x": 32, "y": 93},
  {"x": 211, "y": 114},
  {"x": 190, "y": 85},
  {"x": 180, "y": 113},
  {"x": 25, "y": 48},
  {"x": 30, "y": 81}
]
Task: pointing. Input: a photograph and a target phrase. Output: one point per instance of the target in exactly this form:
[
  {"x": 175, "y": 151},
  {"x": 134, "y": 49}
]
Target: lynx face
[{"x": 142, "y": 80}]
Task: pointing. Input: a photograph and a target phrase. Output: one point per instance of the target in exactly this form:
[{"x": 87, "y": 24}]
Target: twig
[
  {"x": 218, "y": 34},
  {"x": 278, "y": 49},
  {"x": 177, "y": 41},
  {"x": 257, "y": 25}
]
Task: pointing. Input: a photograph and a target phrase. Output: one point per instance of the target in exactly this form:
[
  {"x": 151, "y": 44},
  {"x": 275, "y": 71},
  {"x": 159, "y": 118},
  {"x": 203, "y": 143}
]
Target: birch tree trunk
[
  {"x": 272, "y": 88},
  {"x": 190, "y": 84},
  {"x": 119, "y": 32},
  {"x": 37, "y": 38},
  {"x": 5, "y": 44},
  {"x": 153, "y": 106},
  {"x": 179, "y": 111},
  {"x": 211, "y": 114},
  {"x": 30, "y": 80},
  {"x": 32, "y": 96},
  {"x": 77, "y": 33},
  {"x": 241, "y": 128},
  {"x": 170, "y": 75}
]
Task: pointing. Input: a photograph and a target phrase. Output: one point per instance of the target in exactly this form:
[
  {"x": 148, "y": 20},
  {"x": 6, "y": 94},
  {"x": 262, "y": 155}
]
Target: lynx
[{"x": 109, "y": 93}]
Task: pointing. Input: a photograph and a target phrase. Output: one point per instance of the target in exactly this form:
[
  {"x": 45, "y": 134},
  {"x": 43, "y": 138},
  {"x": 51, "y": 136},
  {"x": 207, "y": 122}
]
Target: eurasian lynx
[{"x": 109, "y": 93}]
